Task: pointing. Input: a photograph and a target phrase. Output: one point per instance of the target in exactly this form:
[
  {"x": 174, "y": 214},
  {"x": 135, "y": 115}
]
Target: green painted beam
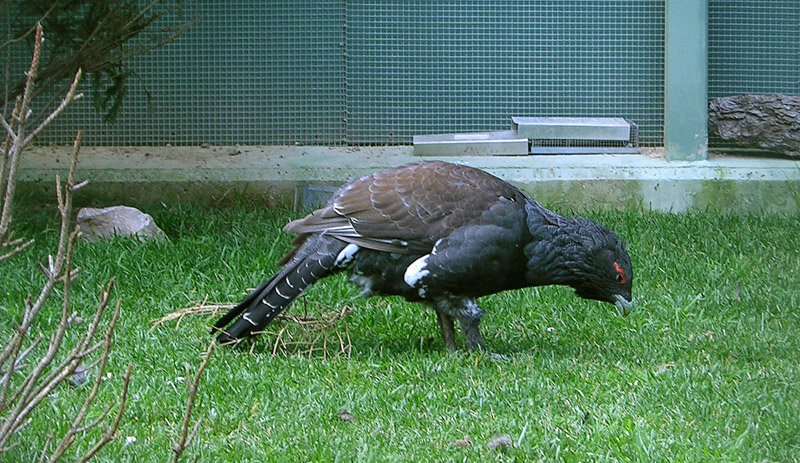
[{"x": 686, "y": 80}]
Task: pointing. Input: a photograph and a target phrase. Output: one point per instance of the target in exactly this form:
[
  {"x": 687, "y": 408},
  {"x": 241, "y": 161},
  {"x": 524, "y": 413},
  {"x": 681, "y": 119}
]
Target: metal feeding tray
[
  {"x": 538, "y": 135},
  {"x": 504, "y": 142},
  {"x": 572, "y": 128}
]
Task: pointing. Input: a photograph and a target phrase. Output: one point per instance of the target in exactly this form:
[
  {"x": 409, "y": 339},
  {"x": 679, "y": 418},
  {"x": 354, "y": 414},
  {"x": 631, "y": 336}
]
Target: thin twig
[
  {"x": 186, "y": 438},
  {"x": 21, "y": 357},
  {"x": 78, "y": 186},
  {"x": 11, "y": 346},
  {"x": 75, "y": 427},
  {"x": 82, "y": 349},
  {"x": 16, "y": 250},
  {"x": 96, "y": 422},
  {"x": 10, "y": 354},
  {"x": 25, "y": 34},
  {"x": 8, "y": 128},
  {"x": 69, "y": 98},
  {"x": 46, "y": 446},
  {"x": 111, "y": 431},
  {"x": 11, "y": 157}
]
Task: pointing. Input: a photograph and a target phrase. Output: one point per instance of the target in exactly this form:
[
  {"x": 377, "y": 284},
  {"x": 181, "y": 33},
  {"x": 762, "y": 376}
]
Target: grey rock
[
  {"x": 79, "y": 377},
  {"x": 500, "y": 442},
  {"x": 99, "y": 224},
  {"x": 344, "y": 415},
  {"x": 465, "y": 442}
]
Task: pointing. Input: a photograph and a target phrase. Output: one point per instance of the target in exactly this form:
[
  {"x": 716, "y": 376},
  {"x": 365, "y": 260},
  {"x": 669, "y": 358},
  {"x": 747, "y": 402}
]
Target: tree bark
[{"x": 767, "y": 121}]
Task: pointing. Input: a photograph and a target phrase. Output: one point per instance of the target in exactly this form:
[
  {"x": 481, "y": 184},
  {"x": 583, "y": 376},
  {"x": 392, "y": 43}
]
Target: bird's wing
[{"x": 409, "y": 208}]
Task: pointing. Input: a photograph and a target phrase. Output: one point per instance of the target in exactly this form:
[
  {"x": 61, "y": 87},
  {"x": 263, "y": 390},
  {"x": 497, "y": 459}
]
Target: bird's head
[
  {"x": 602, "y": 269},
  {"x": 582, "y": 254}
]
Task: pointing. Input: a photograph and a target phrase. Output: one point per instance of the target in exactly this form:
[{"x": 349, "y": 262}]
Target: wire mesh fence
[
  {"x": 378, "y": 72},
  {"x": 464, "y": 66}
]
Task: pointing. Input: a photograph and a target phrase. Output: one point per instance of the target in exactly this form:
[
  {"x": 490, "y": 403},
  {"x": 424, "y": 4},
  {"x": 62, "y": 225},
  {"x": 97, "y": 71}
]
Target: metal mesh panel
[
  {"x": 248, "y": 72},
  {"x": 376, "y": 72},
  {"x": 462, "y": 66},
  {"x": 753, "y": 47}
]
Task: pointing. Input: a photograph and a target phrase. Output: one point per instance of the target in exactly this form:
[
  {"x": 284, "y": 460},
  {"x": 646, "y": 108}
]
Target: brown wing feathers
[{"x": 417, "y": 204}]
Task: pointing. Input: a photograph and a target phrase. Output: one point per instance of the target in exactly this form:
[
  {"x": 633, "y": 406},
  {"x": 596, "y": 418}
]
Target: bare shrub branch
[
  {"x": 23, "y": 387},
  {"x": 31, "y": 370},
  {"x": 186, "y": 437},
  {"x": 76, "y": 427},
  {"x": 111, "y": 432}
]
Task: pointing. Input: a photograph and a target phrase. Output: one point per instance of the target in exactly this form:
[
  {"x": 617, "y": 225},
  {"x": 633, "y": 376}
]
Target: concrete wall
[{"x": 276, "y": 176}]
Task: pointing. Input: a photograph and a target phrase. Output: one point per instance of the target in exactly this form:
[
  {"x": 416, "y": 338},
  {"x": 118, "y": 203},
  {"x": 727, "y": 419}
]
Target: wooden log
[{"x": 766, "y": 121}]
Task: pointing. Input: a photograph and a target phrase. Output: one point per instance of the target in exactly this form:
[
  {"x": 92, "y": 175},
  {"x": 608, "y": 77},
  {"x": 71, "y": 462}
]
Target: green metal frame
[{"x": 686, "y": 79}]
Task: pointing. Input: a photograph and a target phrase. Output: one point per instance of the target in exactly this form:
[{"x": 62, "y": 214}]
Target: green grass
[{"x": 706, "y": 368}]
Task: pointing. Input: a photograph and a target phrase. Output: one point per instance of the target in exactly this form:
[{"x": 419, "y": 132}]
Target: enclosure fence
[{"x": 371, "y": 72}]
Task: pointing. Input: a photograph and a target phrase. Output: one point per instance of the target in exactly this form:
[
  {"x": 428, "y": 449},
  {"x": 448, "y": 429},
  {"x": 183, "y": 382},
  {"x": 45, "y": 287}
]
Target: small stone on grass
[
  {"x": 464, "y": 442},
  {"x": 78, "y": 377},
  {"x": 500, "y": 442}
]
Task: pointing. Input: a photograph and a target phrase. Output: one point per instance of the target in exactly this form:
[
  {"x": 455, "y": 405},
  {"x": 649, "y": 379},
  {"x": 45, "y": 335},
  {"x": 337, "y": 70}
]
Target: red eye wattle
[{"x": 621, "y": 277}]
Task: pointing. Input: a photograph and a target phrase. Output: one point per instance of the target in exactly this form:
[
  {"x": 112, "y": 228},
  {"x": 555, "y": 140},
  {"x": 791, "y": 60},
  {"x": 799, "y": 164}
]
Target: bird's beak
[{"x": 623, "y": 305}]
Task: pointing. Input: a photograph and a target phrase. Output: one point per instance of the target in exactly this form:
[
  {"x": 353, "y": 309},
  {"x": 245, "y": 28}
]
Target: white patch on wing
[
  {"x": 346, "y": 255},
  {"x": 344, "y": 230},
  {"x": 438, "y": 242},
  {"x": 417, "y": 271}
]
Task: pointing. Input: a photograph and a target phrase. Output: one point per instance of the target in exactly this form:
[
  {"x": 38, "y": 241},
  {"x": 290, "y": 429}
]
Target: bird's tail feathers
[
  {"x": 243, "y": 305},
  {"x": 267, "y": 301}
]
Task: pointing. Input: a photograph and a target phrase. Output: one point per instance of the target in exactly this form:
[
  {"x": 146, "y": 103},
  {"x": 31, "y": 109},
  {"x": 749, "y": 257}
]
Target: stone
[
  {"x": 99, "y": 224},
  {"x": 500, "y": 442},
  {"x": 464, "y": 442},
  {"x": 344, "y": 415},
  {"x": 766, "y": 121},
  {"x": 78, "y": 377}
]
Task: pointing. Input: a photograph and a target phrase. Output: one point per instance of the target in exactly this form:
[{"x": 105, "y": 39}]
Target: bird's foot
[{"x": 469, "y": 326}]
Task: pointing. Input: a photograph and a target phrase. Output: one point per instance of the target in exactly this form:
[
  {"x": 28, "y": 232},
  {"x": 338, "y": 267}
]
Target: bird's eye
[{"x": 621, "y": 277}]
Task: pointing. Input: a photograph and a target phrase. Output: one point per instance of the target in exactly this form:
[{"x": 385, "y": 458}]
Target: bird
[{"x": 443, "y": 234}]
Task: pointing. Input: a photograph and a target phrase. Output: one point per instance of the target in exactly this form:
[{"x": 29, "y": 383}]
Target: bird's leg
[
  {"x": 469, "y": 317},
  {"x": 469, "y": 326},
  {"x": 448, "y": 331}
]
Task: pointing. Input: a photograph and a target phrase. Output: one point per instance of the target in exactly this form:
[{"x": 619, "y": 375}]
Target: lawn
[{"x": 706, "y": 367}]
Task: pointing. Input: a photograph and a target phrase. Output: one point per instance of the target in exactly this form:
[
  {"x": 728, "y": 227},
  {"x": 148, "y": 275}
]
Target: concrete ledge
[{"x": 271, "y": 175}]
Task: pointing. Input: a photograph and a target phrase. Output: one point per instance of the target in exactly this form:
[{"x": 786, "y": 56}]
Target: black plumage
[{"x": 444, "y": 234}]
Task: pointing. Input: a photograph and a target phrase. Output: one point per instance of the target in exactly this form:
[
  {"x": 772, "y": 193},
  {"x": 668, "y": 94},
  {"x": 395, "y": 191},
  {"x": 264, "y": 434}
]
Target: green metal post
[{"x": 686, "y": 80}]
